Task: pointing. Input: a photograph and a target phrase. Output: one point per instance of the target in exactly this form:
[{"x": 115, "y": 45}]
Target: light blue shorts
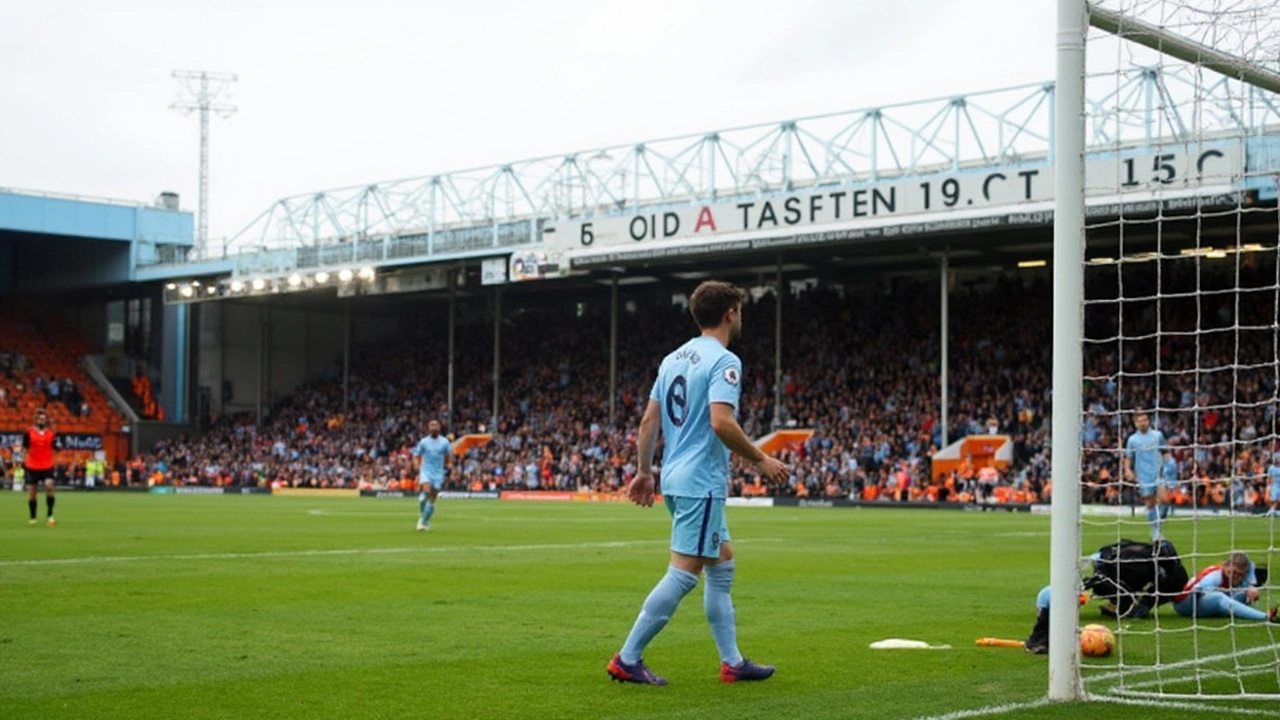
[
  {"x": 436, "y": 483},
  {"x": 1148, "y": 488},
  {"x": 698, "y": 526},
  {"x": 1274, "y": 495}
]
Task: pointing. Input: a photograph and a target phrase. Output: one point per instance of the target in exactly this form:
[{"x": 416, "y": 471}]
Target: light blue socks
[
  {"x": 656, "y": 611},
  {"x": 718, "y": 603}
]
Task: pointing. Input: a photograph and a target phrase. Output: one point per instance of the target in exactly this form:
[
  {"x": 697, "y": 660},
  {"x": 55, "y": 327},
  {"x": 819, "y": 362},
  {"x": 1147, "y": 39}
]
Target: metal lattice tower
[{"x": 202, "y": 90}]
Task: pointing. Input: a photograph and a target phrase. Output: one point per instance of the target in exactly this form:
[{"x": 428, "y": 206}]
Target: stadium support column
[
  {"x": 613, "y": 349},
  {"x": 777, "y": 349},
  {"x": 497, "y": 354},
  {"x": 944, "y": 321},
  {"x": 174, "y": 370},
  {"x": 1068, "y": 134},
  {"x": 346, "y": 355},
  {"x": 453, "y": 320},
  {"x": 262, "y": 357}
]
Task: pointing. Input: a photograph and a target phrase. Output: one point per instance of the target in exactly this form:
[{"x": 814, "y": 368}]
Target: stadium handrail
[{"x": 89, "y": 364}]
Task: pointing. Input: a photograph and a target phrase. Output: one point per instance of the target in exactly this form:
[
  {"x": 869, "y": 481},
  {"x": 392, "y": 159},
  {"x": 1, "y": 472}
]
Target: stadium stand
[
  {"x": 867, "y": 387},
  {"x": 39, "y": 369}
]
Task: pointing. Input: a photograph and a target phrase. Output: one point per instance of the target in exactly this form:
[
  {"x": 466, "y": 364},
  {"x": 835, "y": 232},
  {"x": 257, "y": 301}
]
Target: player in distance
[
  {"x": 37, "y": 462},
  {"x": 1142, "y": 464},
  {"x": 436, "y": 453}
]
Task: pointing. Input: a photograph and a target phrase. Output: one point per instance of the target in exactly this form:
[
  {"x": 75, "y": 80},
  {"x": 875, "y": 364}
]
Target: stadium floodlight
[
  {"x": 171, "y": 286},
  {"x": 259, "y": 284},
  {"x": 236, "y": 286},
  {"x": 366, "y": 273},
  {"x": 345, "y": 275},
  {"x": 322, "y": 277},
  {"x": 186, "y": 291},
  {"x": 211, "y": 290},
  {"x": 195, "y": 283},
  {"x": 295, "y": 280}
]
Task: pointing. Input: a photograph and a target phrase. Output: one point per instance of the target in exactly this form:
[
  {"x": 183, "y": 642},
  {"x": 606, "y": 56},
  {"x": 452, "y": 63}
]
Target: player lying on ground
[{"x": 1226, "y": 590}]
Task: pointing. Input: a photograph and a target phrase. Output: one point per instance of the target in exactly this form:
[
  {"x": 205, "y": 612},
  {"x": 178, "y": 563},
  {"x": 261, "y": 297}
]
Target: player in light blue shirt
[
  {"x": 1273, "y": 486},
  {"x": 694, "y": 403},
  {"x": 1142, "y": 464},
  {"x": 437, "y": 456}
]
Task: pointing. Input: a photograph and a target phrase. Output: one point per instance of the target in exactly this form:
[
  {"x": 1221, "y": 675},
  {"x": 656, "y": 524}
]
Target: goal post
[
  {"x": 1068, "y": 363},
  {"x": 1166, "y": 328}
]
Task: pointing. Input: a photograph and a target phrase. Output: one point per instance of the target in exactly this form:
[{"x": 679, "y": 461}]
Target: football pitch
[{"x": 143, "y": 606}]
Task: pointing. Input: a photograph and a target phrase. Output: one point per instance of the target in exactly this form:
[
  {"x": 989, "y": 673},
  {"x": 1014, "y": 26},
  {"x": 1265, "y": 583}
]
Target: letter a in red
[{"x": 705, "y": 218}]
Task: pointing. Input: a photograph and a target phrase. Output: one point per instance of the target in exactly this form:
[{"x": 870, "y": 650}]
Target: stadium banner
[
  {"x": 63, "y": 441},
  {"x": 493, "y": 271},
  {"x": 316, "y": 492},
  {"x": 845, "y": 502},
  {"x": 539, "y": 495},
  {"x": 968, "y": 200},
  {"x": 1141, "y": 511},
  {"x": 811, "y": 502},
  {"x": 535, "y": 265},
  {"x": 749, "y": 502},
  {"x": 1036, "y": 215},
  {"x": 199, "y": 490},
  {"x": 600, "y": 497},
  {"x": 78, "y": 441},
  {"x": 446, "y": 494}
]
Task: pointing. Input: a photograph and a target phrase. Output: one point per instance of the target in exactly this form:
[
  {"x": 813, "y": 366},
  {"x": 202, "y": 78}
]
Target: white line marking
[
  {"x": 989, "y": 710},
  {"x": 333, "y": 552},
  {"x": 1174, "y": 705},
  {"x": 1117, "y": 674}
]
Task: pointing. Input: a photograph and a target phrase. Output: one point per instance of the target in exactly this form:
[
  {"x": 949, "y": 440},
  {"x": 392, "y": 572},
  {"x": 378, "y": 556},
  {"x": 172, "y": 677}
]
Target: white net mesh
[{"x": 1182, "y": 333}]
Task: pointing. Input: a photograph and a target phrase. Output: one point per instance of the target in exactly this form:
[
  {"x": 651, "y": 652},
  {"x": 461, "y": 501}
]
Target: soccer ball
[{"x": 1096, "y": 640}]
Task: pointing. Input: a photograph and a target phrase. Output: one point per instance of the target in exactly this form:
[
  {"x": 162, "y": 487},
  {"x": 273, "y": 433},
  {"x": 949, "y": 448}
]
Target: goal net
[{"x": 1167, "y": 244}]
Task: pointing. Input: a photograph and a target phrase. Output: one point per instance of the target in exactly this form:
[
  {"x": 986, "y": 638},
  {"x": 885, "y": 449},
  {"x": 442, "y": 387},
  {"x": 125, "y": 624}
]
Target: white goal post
[{"x": 1206, "y": 57}]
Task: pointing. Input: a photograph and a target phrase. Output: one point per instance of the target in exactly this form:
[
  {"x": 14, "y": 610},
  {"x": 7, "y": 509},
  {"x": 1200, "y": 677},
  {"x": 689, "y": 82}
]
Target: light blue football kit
[
  {"x": 695, "y": 463},
  {"x": 694, "y": 484},
  {"x": 433, "y": 451},
  {"x": 1144, "y": 452}
]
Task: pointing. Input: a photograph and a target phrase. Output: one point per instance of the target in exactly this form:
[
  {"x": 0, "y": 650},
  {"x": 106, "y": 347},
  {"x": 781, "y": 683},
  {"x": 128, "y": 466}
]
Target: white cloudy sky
[{"x": 342, "y": 93}]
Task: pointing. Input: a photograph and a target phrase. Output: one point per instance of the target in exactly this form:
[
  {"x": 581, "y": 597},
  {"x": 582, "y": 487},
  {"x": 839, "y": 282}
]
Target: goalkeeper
[
  {"x": 1133, "y": 577},
  {"x": 1226, "y": 590}
]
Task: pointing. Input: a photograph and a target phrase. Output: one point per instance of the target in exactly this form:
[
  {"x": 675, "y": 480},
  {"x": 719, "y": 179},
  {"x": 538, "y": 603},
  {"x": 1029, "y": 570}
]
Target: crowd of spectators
[{"x": 859, "y": 367}]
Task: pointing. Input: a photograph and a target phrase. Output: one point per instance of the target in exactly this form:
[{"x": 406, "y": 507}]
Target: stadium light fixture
[
  {"x": 211, "y": 290},
  {"x": 322, "y": 277},
  {"x": 195, "y": 283},
  {"x": 236, "y": 286},
  {"x": 345, "y": 275},
  {"x": 366, "y": 273},
  {"x": 259, "y": 284},
  {"x": 1026, "y": 264},
  {"x": 186, "y": 291},
  {"x": 295, "y": 280},
  {"x": 171, "y": 286}
]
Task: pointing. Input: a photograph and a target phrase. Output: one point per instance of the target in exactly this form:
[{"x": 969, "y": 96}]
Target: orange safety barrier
[
  {"x": 783, "y": 440},
  {"x": 464, "y": 444}
]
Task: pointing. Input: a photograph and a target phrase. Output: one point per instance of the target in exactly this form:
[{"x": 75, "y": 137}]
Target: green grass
[{"x": 142, "y": 606}]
